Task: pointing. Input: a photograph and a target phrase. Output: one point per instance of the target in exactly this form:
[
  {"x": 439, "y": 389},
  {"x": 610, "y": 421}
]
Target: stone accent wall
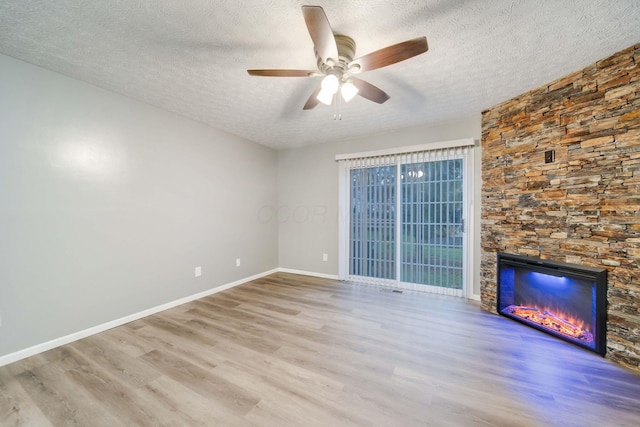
[{"x": 584, "y": 208}]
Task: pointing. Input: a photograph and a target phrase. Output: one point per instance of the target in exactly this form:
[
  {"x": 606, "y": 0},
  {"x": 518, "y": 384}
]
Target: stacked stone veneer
[{"x": 584, "y": 208}]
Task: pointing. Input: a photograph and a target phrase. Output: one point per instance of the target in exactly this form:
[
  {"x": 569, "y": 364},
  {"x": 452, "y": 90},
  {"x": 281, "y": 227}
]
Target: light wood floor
[{"x": 295, "y": 350}]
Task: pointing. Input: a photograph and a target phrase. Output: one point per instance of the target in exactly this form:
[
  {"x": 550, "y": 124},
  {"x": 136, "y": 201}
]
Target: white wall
[
  {"x": 308, "y": 193},
  {"x": 108, "y": 204}
]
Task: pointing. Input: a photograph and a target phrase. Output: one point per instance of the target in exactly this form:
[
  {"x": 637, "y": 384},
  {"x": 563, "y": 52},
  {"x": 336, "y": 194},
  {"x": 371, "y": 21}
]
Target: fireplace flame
[{"x": 555, "y": 321}]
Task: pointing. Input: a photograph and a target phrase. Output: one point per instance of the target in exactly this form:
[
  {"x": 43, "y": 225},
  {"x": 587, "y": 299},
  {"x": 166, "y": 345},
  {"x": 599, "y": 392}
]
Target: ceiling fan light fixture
[
  {"x": 348, "y": 90},
  {"x": 330, "y": 84},
  {"x": 325, "y": 97}
]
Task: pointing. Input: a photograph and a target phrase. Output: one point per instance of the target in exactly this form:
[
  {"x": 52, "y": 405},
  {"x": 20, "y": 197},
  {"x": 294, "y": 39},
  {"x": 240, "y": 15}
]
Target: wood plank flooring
[{"x": 295, "y": 350}]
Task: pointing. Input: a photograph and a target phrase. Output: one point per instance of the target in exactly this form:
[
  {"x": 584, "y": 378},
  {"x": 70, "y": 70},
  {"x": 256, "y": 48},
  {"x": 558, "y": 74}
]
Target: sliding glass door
[
  {"x": 406, "y": 220},
  {"x": 373, "y": 222},
  {"x": 431, "y": 237}
]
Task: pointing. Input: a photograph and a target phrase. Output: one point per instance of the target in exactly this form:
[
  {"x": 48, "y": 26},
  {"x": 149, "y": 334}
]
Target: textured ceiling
[{"x": 191, "y": 56}]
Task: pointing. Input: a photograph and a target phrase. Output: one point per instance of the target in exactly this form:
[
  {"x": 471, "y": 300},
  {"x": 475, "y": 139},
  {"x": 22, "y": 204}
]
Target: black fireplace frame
[{"x": 561, "y": 269}]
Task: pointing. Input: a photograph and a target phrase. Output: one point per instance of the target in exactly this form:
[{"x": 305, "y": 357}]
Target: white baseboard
[
  {"x": 39, "y": 348},
  {"x": 308, "y": 273}
]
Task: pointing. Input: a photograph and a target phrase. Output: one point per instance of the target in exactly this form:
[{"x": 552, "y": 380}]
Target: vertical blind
[{"x": 373, "y": 223}]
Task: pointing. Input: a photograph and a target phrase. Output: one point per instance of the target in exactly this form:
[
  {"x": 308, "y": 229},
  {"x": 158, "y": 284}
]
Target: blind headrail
[{"x": 409, "y": 149}]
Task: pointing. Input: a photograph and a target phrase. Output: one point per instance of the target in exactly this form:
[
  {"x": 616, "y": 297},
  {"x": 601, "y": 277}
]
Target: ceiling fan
[{"x": 335, "y": 55}]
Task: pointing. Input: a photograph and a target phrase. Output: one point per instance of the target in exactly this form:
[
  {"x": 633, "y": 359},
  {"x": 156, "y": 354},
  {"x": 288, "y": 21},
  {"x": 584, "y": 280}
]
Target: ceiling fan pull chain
[{"x": 337, "y": 107}]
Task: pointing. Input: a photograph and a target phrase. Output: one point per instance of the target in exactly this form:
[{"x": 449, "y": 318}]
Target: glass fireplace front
[{"x": 565, "y": 300}]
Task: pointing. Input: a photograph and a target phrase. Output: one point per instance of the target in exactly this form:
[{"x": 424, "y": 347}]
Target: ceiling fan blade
[
  {"x": 283, "y": 73},
  {"x": 313, "y": 100},
  {"x": 369, "y": 91},
  {"x": 390, "y": 55},
  {"x": 321, "y": 33}
]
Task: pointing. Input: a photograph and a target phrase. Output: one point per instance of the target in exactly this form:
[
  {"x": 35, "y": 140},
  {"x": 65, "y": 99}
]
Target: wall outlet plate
[
  {"x": 237, "y": 262},
  {"x": 549, "y": 156},
  {"x": 325, "y": 257},
  {"x": 198, "y": 271}
]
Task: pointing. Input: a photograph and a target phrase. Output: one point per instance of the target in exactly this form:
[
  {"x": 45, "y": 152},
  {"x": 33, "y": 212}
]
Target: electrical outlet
[
  {"x": 550, "y": 156},
  {"x": 237, "y": 262},
  {"x": 325, "y": 257},
  {"x": 0, "y": 318},
  {"x": 198, "y": 271}
]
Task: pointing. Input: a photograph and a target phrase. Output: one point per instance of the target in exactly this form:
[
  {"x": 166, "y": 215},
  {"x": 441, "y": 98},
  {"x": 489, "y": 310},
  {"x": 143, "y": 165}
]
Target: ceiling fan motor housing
[{"x": 346, "y": 51}]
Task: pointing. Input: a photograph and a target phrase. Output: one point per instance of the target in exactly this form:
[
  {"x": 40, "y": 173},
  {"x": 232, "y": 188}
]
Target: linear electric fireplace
[{"x": 565, "y": 300}]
